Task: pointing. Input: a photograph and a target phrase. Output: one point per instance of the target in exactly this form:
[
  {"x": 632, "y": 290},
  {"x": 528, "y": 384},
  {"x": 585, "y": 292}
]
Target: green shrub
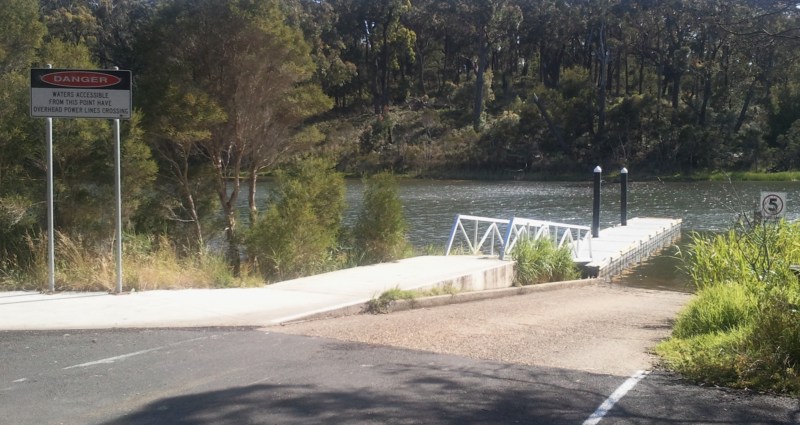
[
  {"x": 710, "y": 357},
  {"x": 297, "y": 234},
  {"x": 717, "y": 308},
  {"x": 380, "y": 232},
  {"x": 772, "y": 353},
  {"x": 539, "y": 261}
]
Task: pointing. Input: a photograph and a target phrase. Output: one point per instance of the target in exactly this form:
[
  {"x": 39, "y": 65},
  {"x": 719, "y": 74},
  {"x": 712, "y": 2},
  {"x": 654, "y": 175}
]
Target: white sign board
[
  {"x": 77, "y": 93},
  {"x": 773, "y": 204}
]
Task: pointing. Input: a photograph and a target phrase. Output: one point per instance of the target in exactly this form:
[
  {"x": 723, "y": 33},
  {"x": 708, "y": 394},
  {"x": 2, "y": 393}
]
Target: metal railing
[
  {"x": 578, "y": 238},
  {"x": 480, "y": 232},
  {"x": 486, "y": 228}
]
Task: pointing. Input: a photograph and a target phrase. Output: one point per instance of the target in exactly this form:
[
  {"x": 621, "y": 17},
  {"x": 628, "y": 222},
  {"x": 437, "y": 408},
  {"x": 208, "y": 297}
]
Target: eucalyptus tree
[
  {"x": 184, "y": 120},
  {"x": 482, "y": 21},
  {"x": 377, "y": 41},
  {"x": 21, "y": 34},
  {"x": 83, "y": 152},
  {"x": 335, "y": 74},
  {"x": 118, "y": 23},
  {"x": 428, "y": 25},
  {"x": 243, "y": 57},
  {"x": 70, "y": 21}
]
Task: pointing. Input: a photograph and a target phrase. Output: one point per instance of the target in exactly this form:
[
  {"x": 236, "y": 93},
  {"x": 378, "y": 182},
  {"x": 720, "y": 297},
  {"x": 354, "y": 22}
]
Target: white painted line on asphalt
[
  {"x": 113, "y": 359},
  {"x": 125, "y": 356},
  {"x": 615, "y": 397}
]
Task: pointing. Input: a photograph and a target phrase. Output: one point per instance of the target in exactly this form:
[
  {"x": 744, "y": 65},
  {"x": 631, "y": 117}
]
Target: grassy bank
[
  {"x": 743, "y": 327},
  {"x": 608, "y": 174},
  {"x": 148, "y": 263},
  {"x": 785, "y": 176}
]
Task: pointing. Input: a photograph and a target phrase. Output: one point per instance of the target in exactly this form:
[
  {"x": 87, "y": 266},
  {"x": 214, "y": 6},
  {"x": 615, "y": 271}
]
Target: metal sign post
[
  {"x": 81, "y": 93},
  {"x": 51, "y": 245},
  {"x": 118, "y": 190}
]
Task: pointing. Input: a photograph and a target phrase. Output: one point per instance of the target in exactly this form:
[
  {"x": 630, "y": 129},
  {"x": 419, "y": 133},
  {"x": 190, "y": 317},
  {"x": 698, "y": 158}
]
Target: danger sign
[{"x": 80, "y": 93}]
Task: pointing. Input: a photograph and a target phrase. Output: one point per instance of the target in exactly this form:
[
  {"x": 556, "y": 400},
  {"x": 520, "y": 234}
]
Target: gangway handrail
[
  {"x": 577, "y": 237},
  {"x": 475, "y": 245}
]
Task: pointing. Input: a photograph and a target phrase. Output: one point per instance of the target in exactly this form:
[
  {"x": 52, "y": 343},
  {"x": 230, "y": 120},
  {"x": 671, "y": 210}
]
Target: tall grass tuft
[
  {"x": 717, "y": 308},
  {"x": 539, "y": 261}
]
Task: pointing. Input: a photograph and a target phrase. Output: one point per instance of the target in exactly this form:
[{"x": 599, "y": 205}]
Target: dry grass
[{"x": 148, "y": 263}]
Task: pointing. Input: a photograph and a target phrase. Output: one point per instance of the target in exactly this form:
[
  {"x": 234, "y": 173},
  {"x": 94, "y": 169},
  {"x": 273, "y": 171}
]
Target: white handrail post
[
  {"x": 491, "y": 247},
  {"x": 507, "y": 239},
  {"x": 452, "y": 234},
  {"x": 475, "y": 246}
]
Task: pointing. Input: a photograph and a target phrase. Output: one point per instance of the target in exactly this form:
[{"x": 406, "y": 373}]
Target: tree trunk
[
  {"x": 385, "y": 66},
  {"x": 602, "y": 55},
  {"x": 228, "y": 203},
  {"x": 232, "y": 236},
  {"x": 549, "y": 121},
  {"x": 198, "y": 229},
  {"x": 743, "y": 112},
  {"x": 676, "y": 89},
  {"x": 420, "y": 68},
  {"x": 701, "y": 119},
  {"x": 483, "y": 53},
  {"x": 641, "y": 75},
  {"x": 252, "y": 181}
]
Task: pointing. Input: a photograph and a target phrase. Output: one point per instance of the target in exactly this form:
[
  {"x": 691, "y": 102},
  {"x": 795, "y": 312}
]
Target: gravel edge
[{"x": 441, "y": 300}]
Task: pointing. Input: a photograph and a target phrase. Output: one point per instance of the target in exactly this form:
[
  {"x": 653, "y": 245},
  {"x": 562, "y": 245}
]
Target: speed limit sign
[{"x": 773, "y": 204}]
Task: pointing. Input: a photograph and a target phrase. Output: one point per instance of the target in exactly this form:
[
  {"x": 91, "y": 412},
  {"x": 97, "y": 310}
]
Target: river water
[{"x": 431, "y": 206}]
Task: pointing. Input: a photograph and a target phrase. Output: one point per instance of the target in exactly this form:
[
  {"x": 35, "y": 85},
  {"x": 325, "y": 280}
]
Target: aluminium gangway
[{"x": 616, "y": 249}]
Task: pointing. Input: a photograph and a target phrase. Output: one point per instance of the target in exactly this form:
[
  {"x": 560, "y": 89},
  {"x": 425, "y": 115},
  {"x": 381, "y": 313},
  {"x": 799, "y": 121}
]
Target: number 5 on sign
[{"x": 773, "y": 204}]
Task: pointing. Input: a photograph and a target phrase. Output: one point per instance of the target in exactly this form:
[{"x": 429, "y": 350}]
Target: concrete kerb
[{"x": 442, "y": 300}]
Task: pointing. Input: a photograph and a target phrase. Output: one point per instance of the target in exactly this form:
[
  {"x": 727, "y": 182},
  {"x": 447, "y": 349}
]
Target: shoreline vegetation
[
  {"x": 612, "y": 175},
  {"x": 742, "y": 328},
  {"x": 609, "y": 175}
]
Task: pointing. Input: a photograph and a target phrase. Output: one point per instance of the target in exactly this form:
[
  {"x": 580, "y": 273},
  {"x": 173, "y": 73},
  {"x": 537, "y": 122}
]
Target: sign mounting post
[{"x": 82, "y": 93}]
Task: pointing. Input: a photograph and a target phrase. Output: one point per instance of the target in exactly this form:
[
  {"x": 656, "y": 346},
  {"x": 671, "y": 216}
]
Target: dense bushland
[{"x": 743, "y": 327}]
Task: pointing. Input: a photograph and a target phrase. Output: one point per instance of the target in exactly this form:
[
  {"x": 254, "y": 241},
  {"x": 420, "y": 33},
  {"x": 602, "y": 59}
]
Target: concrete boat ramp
[{"x": 337, "y": 293}]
